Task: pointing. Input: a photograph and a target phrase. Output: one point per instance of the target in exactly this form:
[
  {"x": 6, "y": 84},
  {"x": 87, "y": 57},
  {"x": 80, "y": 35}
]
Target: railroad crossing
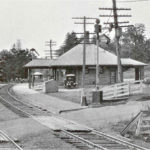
[{"x": 80, "y": 136}]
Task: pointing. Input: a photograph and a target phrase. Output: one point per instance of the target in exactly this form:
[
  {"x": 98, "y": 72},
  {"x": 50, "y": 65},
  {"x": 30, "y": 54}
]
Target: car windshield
[{"x": 71, "y": 78}]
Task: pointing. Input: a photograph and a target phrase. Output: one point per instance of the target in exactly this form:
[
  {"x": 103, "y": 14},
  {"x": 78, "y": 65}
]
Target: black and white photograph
[{"x": 74, "y": 74}]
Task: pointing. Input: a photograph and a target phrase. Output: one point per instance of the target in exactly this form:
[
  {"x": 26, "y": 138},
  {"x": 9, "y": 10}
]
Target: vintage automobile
[{"x": 70, "y": 81}]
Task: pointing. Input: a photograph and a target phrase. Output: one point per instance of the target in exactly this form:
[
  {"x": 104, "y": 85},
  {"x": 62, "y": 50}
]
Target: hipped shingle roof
[
  {"x": 74, "y": 57},
  {"x": 37, "y": 63}
]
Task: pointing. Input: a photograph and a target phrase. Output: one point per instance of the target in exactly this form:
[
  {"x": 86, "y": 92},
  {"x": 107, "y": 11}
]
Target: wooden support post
[
  {"x": 32, "y": 81},
  {"x": 141, "y": 87},
  {"x": 137, "y": 132},
  {"x": 29, "y": 78},
  {"x": 129, "y": 88},
  {"x": 55, "y": 73},
  {"x": 141, "y": 73},
  {"x": 115, "y": 90},
  {"x": 137, "y": 74},
  {"x": 131, "y": 124}
]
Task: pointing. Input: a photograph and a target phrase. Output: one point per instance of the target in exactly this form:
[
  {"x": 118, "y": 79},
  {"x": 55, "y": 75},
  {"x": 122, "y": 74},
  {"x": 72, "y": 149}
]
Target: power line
[
  {"x": 50, "y": 44},
  {"x": 107, "y": 22},
  {"x": 108, "y": 18},
  {"x": 131, "y": 1}
]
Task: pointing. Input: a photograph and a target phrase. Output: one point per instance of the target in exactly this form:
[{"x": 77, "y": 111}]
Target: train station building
[{"x": 71, "y": 63}]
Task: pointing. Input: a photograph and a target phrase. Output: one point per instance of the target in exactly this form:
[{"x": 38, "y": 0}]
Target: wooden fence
[
  {"x": 122, "y": 89},
  {"x": 114, "y": 91}
]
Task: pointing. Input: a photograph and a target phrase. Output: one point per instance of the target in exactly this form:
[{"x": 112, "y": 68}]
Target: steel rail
[
  {"x": 125, "y": 143},
  {"x": 26, "y": 103},
  {"x": 111, "y": 138},
  {"x": 27, "y": 114},
  {"x": 11, "y": 140},
  {"x": 84, "y": 140}
]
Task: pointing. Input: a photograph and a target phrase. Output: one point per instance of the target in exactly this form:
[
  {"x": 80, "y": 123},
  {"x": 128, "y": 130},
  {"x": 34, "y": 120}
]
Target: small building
[
  {"x": 71, "y": 63},
  {"x": 40, "y": 68}
]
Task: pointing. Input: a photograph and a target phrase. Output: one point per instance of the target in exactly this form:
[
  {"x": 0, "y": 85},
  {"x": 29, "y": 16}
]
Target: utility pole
[
  {"x": 117, "y": 36},
  {"x": 50, "y": 44},
  {"x": 97, "y": 31},
  {"x": 97, "y": 64},
  {"x": 117, "y": 33},
  {"x": 84, "y": 53},
  {"x": 83, "y": 97}
]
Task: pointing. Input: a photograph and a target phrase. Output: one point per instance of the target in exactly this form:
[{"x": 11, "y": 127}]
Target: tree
[
  {"x": 133, "y": 42},
  {"x": 71, "y": 40},
  {"x": 13, "y": 63},
  {"x": 147, "y": 50},
  {"x": 6, "y": 69}
]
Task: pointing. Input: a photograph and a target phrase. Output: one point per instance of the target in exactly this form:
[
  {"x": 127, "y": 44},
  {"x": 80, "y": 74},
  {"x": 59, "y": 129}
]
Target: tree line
[
  {"x": 12, "y": 63},
  {"x": 133, "y": 43}
]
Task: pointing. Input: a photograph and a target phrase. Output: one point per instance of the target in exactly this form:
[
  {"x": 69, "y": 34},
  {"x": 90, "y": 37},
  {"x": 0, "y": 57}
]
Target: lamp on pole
[{"x": 97, "y": 31}]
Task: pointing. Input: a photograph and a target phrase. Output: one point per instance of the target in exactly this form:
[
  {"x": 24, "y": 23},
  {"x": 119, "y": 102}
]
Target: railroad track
[
  {"x": 83, "y": 139},
  {"x": 23, "y": 109},
  {"x": 96, "y": 140},
  {"x": 8, "y": 143}
]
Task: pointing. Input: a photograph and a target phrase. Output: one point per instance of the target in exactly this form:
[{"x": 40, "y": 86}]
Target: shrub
[{"x": 147, "y": 80}]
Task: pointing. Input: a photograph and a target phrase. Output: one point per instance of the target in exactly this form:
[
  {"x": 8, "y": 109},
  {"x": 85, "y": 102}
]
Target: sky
[{"x": 37, "y": 21}]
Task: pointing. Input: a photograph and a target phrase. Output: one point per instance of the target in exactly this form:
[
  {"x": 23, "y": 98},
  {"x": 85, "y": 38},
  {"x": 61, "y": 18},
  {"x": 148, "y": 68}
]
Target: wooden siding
[
  {"x": 104, "y": 78},
  {"x": 90, "y": 77}
]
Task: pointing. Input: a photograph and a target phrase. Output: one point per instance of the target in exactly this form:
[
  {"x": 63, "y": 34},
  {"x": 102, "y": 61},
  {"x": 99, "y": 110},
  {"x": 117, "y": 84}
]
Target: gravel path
[{"x": 48, "y": 102}]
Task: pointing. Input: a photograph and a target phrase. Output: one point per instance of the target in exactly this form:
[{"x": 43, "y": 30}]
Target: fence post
[
  {"x": 137, "y": 132},
  {"x": 129, "y": 88},
  {"x": 141, "y": 87},
  {"x": 115, "y": 90}
]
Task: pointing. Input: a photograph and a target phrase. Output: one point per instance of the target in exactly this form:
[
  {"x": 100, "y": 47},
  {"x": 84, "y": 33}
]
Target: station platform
[{"x": 43, "y": 100}]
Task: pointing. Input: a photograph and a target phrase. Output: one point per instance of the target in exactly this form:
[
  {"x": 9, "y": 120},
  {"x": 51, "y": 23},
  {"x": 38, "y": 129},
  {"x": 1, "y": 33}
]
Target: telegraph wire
[
  {"x": 132, "y": 1},
  {"x": 107, "y": 22}
]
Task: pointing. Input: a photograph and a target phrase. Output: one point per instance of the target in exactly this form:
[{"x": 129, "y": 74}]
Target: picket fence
[{"x": 119, "y": 90}]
